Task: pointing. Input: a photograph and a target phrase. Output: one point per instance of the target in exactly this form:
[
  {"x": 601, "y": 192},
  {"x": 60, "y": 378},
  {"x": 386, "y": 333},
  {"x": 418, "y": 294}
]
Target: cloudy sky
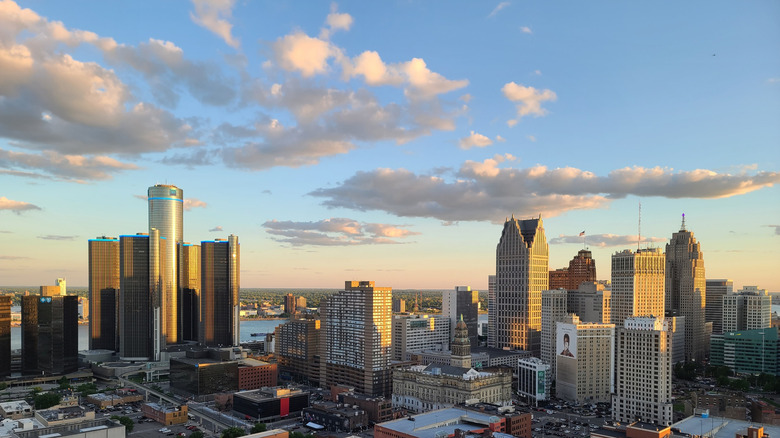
[{"x": 388, "y": 141}]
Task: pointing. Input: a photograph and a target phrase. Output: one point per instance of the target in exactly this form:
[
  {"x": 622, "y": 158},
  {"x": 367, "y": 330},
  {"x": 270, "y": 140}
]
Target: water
[{"x": 246, "y": 328}]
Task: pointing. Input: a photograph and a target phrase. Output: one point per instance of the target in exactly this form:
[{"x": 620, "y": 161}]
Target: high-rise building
[
  {"x": 399, "y": 305},
  {"x": 419, "y": 332},
  {"x": 581, "y": 268},
  {"x": 685, "y": 289},
  {"x": 5, "y": 336},
  {"x": 676, "y": 325},
  {"x": 643, "y": 384},
  {"x": 289, "y": 304},
  {"x": 62, "y": 284},
  {"x": 189, "y": 290},
  {"x": 553, "y": 311},
  {"x": 300, "y": 303},
  {"x": 166, "y": 206},
  {"x": 49, "y": 334},
  {"x": 357, "y": 330},
  {"x": 49, "y": 291},
  {"x": 559, "y": 278},
  {"x": 713, "y": 307},
  {"x": 297, "y": 349},
  {"x": 103, "y": 293},
  {"x": 220, "y": 282},
  {"x": 521, "y": 276},
  {"x": 141, "y": 266},
  {"x": 585, "y": 361},
  {"x": 747, "y": 351},
  {"x": 637, "y": 284},
  {"x": 591, "y": 301},
  {"x": 492, "y": 313},
  {"x": 748, "y": 309},
  {"x": 462, "y": 302}
]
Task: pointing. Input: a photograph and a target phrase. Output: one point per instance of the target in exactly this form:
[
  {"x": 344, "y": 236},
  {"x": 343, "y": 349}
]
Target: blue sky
[{"x": 388, "y": 141}]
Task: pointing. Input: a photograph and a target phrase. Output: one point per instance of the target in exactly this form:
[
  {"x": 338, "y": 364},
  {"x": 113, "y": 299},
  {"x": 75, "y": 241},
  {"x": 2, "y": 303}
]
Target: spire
[{"x": 682, "y": 227}]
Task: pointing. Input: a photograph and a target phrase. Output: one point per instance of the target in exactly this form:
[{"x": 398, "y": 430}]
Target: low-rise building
[
  {"x": 533, "y": 379},
  {"x": 119, "y": 397},
  {"x": 163, "y": 414},
  {"x": 379, "y": 409},
  {"x": 270, "y": 404},
  {"x": 62, "y": 416},
  {"x": 444, "y": 423},
  {"x": 747, "y": 351},
  {"x": 256, "y": 374},
  {"x": 16, "y": 409},
  {"x": 337, "y": 417},
  {"x": 94, "y": 428},
  {"x": 633, "y": 430}
]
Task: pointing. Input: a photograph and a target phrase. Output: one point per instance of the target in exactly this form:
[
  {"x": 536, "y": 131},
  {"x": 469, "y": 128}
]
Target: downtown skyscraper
[
  {"x": 219, "y": 305},
  {"x": 166, "y": 206},
  {"x": 637, "y": 284},
  {"x": 103, "y": 293},
  {"x": 685, "y": 289},
  {"x": 521, "y": 276}
]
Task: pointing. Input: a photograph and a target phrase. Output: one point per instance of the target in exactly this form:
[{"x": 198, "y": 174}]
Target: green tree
[
  {"x": 3, "y": 386},
  {"x": 127, "y": 422},
  {"x": 87, "y": 389},
  {"x": 233, "y": 432},
  {"x": 258, "y": 427},
  {"x": 197, "y": 434},
  {"x": 64, "y": 383},
  {"x": 46, "y": 400}
]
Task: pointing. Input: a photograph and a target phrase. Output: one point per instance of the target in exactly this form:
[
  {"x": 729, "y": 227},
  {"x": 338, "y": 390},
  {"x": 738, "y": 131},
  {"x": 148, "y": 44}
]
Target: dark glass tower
[
  {"x": 5, "y": 336},
  {"x": 219, "y": 306},
  {"x": 189, "y": 290},
  {"x": 49, "y": 334},
  {"x": 103, "y": 290}
]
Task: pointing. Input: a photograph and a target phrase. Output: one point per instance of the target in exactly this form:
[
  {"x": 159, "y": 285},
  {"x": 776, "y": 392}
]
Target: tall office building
[
  {"x": 685, "y": 289},
  {"x": 220, "y": 282},
  {"x": 554, "y": 306},
  {"x": 585, "y": 361},
  {"x": 103, "y": 293},
  {"x": 189, "y": 290},
  {"x": 521, "y": 276},
  {"x": 50, "y": 334},
  {"x": 49, "y": 291},
  {"x": 5, "y": 336},
  {"x": 713, "y": 307},
  {"x": 637, "y": 284},
  {"x": 141, "y": 266},
  {"x": 166, "y": 206},
  {"x": 419, "y": 332},
  {"x": 298, "y": 351},
  {"x": 62, "y": 284},
  {"x": 492, "y": 314},
  {"x": 399, "y": 305},
  {"x": 591, "y": 302},
  {"x": 643, "y": 384},
  {"x": 462, "y": 302},
  {"x": 289, "y": 304},
  {"x": 581, "y": 268},
  {"x": 357, "y": 331},
  {"x": 747, "y": 309}
]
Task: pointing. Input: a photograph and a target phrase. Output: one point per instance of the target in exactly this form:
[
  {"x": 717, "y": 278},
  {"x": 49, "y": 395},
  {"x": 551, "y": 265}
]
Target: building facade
[
  {"x": 103, "y": 293},
  {"x": 462, "y": 302},
  {"x": 49, "y": 334},
  {"x": 297, "y": 350},
  {"x": 686, "y": 289},
  {"x": 533, "y": 379},
  {"x": 189, "y": 290},
  {"x": 585, "y": 358},
  {"x": 492, "y": 312},
  {"x": 521, "y": 276},
  {"x": 139, "y": 285},
  {"x": 419, "y": 332},
  {"x": 5, "y": 336},
  {"x": 220, "y": 283},
  {"x": 643, "y": 385},
  {"x": 638, "y": 283},
  {"x": 591, "y": 301},
  {"x": 748, "y": 309},
  {"x": 554, "y": 306},
  {"x": 581, "y": 268},
  {"x": 747, "y": 351},
  {"x": 357, "y": 328},
  {"x": 716, "y": 289}
]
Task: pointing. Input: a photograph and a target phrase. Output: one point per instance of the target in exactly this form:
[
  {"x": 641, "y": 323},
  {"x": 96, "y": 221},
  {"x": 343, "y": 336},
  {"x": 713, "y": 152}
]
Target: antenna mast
[{"x": 639, "y": 231}]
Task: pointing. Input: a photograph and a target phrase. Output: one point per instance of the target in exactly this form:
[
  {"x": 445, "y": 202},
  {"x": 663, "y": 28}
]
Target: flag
[{"x": 582, "y": 233}]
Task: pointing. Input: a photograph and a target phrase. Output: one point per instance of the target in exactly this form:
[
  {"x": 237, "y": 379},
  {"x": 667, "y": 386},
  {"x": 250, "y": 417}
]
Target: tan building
[
  {"x": 643, "y": 384},
  {"x": 581, "y": 268},
  {"x": 297, "y": 349},
  {"x": 120, "y": 397},
  {"x": 166, "y": 415},
  {"x": 584, "y": 355},
  {"x": 63, "y": 416},
  {"x": 16, "y": 409},
  {"x": 592, "y": 302},
  {"x": 638, "y": 283}
]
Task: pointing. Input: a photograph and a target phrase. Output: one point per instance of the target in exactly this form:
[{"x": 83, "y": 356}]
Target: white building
[
  {"x": 553, "y": 310},
  {"x": 533, "y": 379},
  {"x": 419, "y": 332},
  {"x": 747, "y": 309},
  {"x": 643, "y": 384},
  {"x": 716, "y": 289},
  {"x": 585, "y": 361}
]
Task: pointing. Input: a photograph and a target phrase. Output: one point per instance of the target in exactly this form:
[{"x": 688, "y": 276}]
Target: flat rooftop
[
  {"x": 427, "y": 425},
  {"x": 67, "y": 413},
  {"x": 723, "y": 427}
]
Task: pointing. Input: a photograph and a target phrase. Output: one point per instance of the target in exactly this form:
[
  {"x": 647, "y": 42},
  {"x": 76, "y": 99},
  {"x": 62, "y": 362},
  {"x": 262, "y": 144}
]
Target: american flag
[{"x": 582, "y": 233}]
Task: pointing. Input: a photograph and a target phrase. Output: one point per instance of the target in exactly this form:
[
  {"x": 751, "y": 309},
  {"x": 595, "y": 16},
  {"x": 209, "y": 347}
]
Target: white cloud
[
  {"x": 215, "y": 229},
  {"x": 302, "y": 53},
  {"x": 16, "y": 206},
  {"x": 526, "y": 29},
  {"x": 68, "y": 167},
  {"x": 529, "y": 100},
  {"x": 215, "y": 16},
  {"x": 191, "y": 203},
  {"x": 500, "y": 139},
  {"x": 498, "y": 8},
  {"x": 335, "y": 232},
  {"x": 335, "y": 21},
  {"x": 485, "y": 191},
  {"x": 475, "y": 139},
  {"x": 604, "y": 240}
]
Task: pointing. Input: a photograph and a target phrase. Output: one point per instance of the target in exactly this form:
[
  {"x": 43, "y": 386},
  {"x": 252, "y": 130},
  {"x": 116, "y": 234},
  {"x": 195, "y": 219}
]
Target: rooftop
[
  {"x": 429, "y": 424},
  {"x": 722, "y": 427},
  {"x": 63, "y": 413}
]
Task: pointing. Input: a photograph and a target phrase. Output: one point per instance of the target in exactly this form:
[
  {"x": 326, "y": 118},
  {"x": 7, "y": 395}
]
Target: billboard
[
  {"x": 566, "y": 340},
  {"x": 540, "y": 383}
]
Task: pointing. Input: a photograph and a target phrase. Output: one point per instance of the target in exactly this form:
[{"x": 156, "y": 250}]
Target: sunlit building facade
[
  {"x": 103, "y": 293},
  {"x": 220, "y": 283},
  {"x": 638, "y": 283}
]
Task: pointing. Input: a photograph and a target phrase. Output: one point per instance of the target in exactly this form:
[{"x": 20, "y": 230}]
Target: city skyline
[{"x": 388, "y": 142}]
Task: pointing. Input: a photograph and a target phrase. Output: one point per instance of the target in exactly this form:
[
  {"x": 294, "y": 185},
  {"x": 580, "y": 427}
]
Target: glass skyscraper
[
  {"x": 219, "y": 306},
  {"x": 103, "y": 293}
]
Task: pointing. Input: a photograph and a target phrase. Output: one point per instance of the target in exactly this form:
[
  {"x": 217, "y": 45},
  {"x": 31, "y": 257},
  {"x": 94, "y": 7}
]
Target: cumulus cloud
[
  {"x": 67, "y": 167},
  {"x": 335, "y": 232},
  {"x": 604, "y": 240},
  {"x": 498, "y": 9},
  {"x": 526, "y": 29},
  {"x": 475, "y": 139},
  {"x": 215, "y": 229},
  {"x": 335, "y": 21},
  {"x": 486, "y": 191},
  {"x": 57, "y": 237},
  {"x": 191, "y": 203},
  {"x": 529, "y": 100},
  {"x": 302, "y": 53},
  {"x": 16, "y": 206},
  {"x": 215, "y": 16}
]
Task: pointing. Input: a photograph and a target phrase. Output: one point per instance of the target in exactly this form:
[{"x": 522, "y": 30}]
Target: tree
[
  {"x": 46, "y": 400},
  {"x": 64, "y": 383},
  {"x": 258, "y": 427},
  {"x": 127, "y": 422},
  {"x": 3, "y": 386},
  {"x": 87, "y": 389},
  {"x": 197, "y": 434},
  {"x": 233, "y": 432}
]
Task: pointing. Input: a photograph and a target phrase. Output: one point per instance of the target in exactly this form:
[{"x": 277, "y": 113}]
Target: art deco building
[
  {"x": 747, "y": 309},
  {"x": 581, "y": 268},
  {"x": 553, "y": 311},
  {"x": 637, "y": 284},
  {"x": 166, "y": 206},
  {"x": 462, "y": 302},
  {"x": 713, "y": 306},
  {"x": 5, "y": 336},
  {"x": 591, "y": 301},
  {"x": 189, "y": 290},
  {"x": 685, "y": 289},
  {"x": 521, "y": 276},
  {"x": 103, "y": 293},
  {"x": 141, "y": 260},
  {"x": 297, "y": 349},
  {"x": 49, "y": 334},
  {"x": 643, "y": 384},
  {"x": 220, "y": 282},
  {"x": 419, "y": 332},
  {"x": 356, "y": 324},
  {"x": 585, "y": 360}
]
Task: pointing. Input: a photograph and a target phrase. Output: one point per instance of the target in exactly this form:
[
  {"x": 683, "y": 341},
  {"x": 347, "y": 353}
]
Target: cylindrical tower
[{"x": 166, "y": 206}]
